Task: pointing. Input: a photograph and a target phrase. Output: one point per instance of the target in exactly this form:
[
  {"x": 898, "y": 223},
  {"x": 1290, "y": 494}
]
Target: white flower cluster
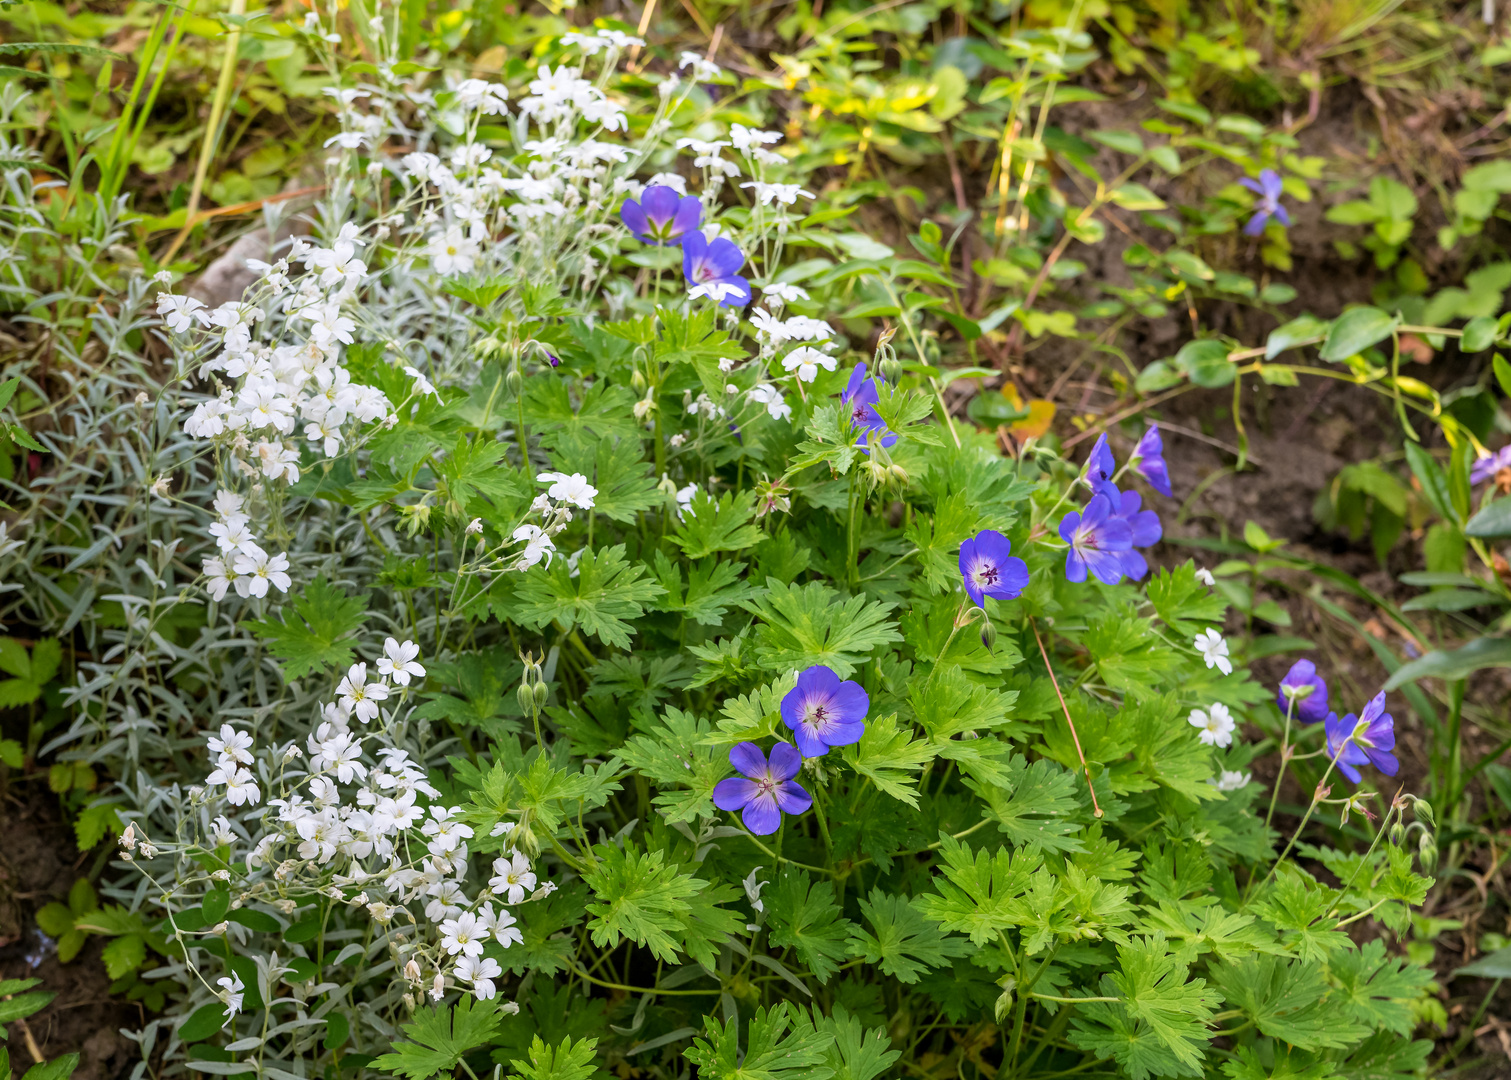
[
  {"x": 362, "y": 825},
  {"x": 242, "y": 563}
]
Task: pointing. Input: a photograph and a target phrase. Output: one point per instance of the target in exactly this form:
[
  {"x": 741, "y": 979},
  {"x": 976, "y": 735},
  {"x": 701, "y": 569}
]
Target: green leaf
[
  {"x": 1286, "y": 1000},
  {"x": 1036, "y": 808},
  {"x": 438, "y": 1038},
  {"x": 1377, "y": 990},
  {"x": 569, "y": 1061},
  {"x": 1492, "y": 522},
  {"x": 804, "y": 918},
  {"x": 1356, "y": 330},
  {"x": 713, "y": 587},
  {"x": 857, "y": 1054},
  {"x": 1496, "y": 965},
  {"x": 1479, "y": 334},
  {"x": 12, "y": 753},
  {"x": 886, "y": 755},
  {"x": 317, "y": 635},
  {"x": 710, "y": 525},
  {"x": 124, "y": 955},
  {"x": 902, "y": 941},
  {"x": 203, "y": 1022},
  {"x": 1460, "y": 663},
  {"x": 782, "y": 1044},
  {"x": 673, "y": 756},
  {"x": 804, "y": 625},
  {"x": 606, "y": 594},
  {"x": 975, "y": 896},
  {"x": 640, "y": 898},
  {"x": 21, "y": 1006},
  {"x": 1206, "y": 363},
  {"x": 1299, "y": 331},
  {"x": 57, "y": 1069}
]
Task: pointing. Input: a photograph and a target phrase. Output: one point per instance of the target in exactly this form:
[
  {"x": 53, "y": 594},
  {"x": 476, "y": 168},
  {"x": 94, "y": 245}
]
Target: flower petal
[
  {"x": 786, "y": 762},
  {"x": 748, "y": 758},
  {"x": 761, "y": 815},
  {"x": 735, "y": 792}
]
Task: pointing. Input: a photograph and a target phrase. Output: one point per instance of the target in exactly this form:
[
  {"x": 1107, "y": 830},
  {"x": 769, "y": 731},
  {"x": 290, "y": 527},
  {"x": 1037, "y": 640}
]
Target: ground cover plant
[{"x": 596, "y": 596}]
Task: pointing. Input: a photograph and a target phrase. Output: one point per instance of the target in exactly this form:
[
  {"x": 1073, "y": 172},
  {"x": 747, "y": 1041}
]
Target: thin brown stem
[{"x": 1095, "y": 809}]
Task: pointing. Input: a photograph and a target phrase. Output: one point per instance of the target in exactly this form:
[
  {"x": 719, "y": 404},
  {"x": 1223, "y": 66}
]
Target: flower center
[
  {"x": 704, "y": 273},
  {"x": 987, "y": 575}
]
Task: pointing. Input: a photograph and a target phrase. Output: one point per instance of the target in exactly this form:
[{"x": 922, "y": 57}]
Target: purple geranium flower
[
  {"x": 1486, "y": 467},
  {"x": 705, "y": 262},
  {"x": 770, "y": 790},
  {"x": 1144, "y": 527},
  {"x": 1148, "y": 461},
  {"x": 1313, "y": 706},
  {"x": 1268, "y": 188},
  {"x": 1097, "y": 541},
  {"x": 860, "y": 397},
  {"x": 1363, "y": 740},
  {"x": 822, "y": 711},
  {"x": 1100, "y": 465},
  {"x": 989, "y": 568},
  {"x": 661, "y": 216}
]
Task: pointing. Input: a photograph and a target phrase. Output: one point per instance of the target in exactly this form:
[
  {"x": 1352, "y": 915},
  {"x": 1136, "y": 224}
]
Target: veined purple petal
[
  {"x": 792, "y": 798},
  {"x": 1312, "y": 708},
  {"x": 1256, "y": 223},
  {"x": 1100, "y": 465},
  {"x": 761, "y": 815},
  {"x": 1149, "y": 461},
  {"x": 748, "y": 759},
  {"x": 660, "y": 205},
  {"x": 734, "y": 792},
  {"x": 786, "y": 762},
  {"x": 1252, "y": 184},
  {"x": 634, "y": 219}
]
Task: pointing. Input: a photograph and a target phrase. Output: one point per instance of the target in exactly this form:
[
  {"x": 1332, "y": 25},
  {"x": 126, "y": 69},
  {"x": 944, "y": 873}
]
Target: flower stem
[
  {"x": 1285, "y": 757},
  {"x": 1095, "y": 809}
]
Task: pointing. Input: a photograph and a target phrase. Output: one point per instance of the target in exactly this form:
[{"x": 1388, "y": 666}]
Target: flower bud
[
  {"x": 637, "y": 380},
  {"x": 541, "y": 693},
  {"x": 526, "y": 697},
  {"x": 1424, "y": 813},
  {"x": 514, "y": 381},
  {"x": 1397, "y": 834},
  {"x": 988, "y": 635},
  {"x": 412, "y": 972},
  {"x": 1427, "y": 852},
  {"x": 891, "y": 369}
]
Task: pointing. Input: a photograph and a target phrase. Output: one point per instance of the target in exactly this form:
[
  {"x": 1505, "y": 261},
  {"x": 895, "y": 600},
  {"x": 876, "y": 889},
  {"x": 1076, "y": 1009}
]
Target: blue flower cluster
[
  {"x": 823, "y": 711},
  {"x": 860, "y": 397},
  {"x": 1104, "y": 535},
  {"x": 1351, "y": 741},
  {"x": 662, "y": 217}
]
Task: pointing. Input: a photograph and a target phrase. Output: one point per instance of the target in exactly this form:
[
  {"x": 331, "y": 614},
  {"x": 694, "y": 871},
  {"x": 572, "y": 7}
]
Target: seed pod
[
  {"x": 988, "y": 635},
  {"x": 891, "y": 369},
  {"x": 526, "y": 698},
  {"x": 542, "y": 692}
]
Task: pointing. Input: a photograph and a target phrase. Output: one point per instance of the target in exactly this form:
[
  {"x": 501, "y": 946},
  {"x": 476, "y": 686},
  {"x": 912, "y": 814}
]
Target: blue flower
[
  {"x": 1097, "y": 541},
  {"x": 1100, "y": 465},
  {"x": 768, "y": 791},
  {"x": 1486, "y": 468},
  {"x": 1144, "y": 527},
  {"x": 710, "y": 263},
  {"x": 661, "y": 216},
  {"x": 1268, "y": 187},
  {"x": 989, "y": 568},
  {"x": 1363, "y": 740},
  {"x": 1148, "y": 461},
  {"x": 1310, "y": 706},
  {"x": 860, "y": 397},
  {"x": 822, "y": 711}
]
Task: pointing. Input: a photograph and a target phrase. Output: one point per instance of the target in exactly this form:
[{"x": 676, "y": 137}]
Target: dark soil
[{"x": 38, "y": 864}]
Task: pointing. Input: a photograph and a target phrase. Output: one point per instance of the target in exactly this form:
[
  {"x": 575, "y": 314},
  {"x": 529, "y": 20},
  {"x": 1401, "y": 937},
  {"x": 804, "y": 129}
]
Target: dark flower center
[
  {"x": 704, "y": 272},
  {"x": 988, "y": 574}
]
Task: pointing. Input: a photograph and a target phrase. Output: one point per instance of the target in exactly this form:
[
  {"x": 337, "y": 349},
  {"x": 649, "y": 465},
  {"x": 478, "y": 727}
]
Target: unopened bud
[
  {"x": 514, "y": 381},
  {"x": 1427, "y": 852},
  {"x": 526, "y": 698},
  {"x": 637, "y": 380},
  {"x": 1424, "y": 813},
  {"x": 891, "y": 369},
  {"x": 1397, "y": 834},
  {"x": 988, "y": 635},
  {"x": 899, "y": 474},
  {"x": 542, "y": 692},
  {"x": 412, "y": 972}
]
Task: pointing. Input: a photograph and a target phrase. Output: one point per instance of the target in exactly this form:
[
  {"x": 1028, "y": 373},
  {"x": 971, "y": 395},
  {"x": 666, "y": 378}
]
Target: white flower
[
  {"x": 231, "y": 994},
  {"x": 464, "y": 935},
  {"x": 675, "y": 181},
  {"x": 1204, "y": 576},
  {"x": 1229, "y": 780},
  {"x": 399, "y": 661},
  {"x": 219, "y": 578},
  {"x": 181, "y": 312},
  {"x": 359, "y": 695},
  {"x": 786, "y": 194},
  {"x": 573, "y": 489},
  {"x": 538, "y": 546},
  {"x": 783, "y": 292},
  {"x": 231, "y": 536},
  {"x": 1214, "y": 650},
  {"x": 232, "y": 748},
  {"x": 480, "y": 973},
  {"x": 241, "y": 785},
  {"x": 806, "y": 360},
  {"x": 717, "y": 291},
  {"x": 421, "y": 383},
  {"x": 451, "y": 252},
  {"x": 703, "y": 70},
  {"x": 685, "y": 500},
  {"x": 220, "y": 832},
  {"x": 769, "y": 396},
  {"x": 744, "y": 138},
  {"x": 475, "y": 527},
  {"x": 1216, "y": 725},
  {"x": 512, "y": 878},
  {"x": 259, "y": 571},
  {"x": 504, "y": 930}
]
